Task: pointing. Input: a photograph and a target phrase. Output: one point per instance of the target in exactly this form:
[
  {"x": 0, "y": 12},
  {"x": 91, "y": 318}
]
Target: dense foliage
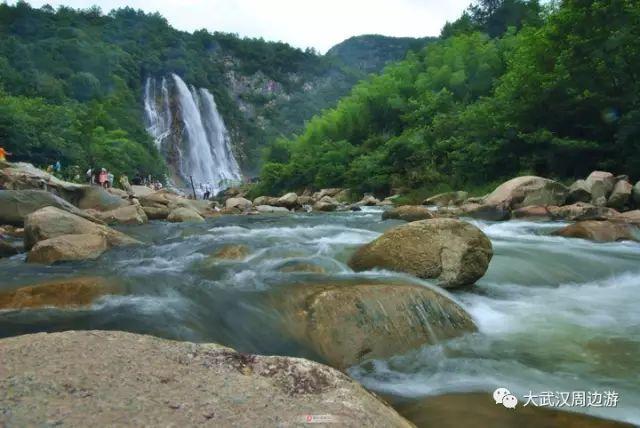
[{"x": 559, "y": 97}]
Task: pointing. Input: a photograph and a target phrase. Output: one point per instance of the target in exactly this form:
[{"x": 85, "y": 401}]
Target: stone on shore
[
  {"x": 487, "y": 212},
  {"x": 408, "y": 213},
  {"x": 271, "y": 209},
  {"x": 346, "y": 323},
  {"x": 579, "y": 191},
  {"x": 289, "y": 201},
  {"x": 130, "y": 214},
  {"x": 240, "y": 204},
  {"x": 528, "y": 190},
  {"x": 582, "y": 211},
  {"x": 265, "y": 200},
  {"x": 16, "y": 205},
  {"x": 620, "y": 195},
  {"x": 181, "y": 215},
  {"x": 326, "y": 204},
  {"x": 534, "y": 212},
  {"x": 453, "y": 252},
  {"x": 96, "y": 378},
  {"x": 97, "y": 198},
  {"x": 157, "y": 212},
  {"x": 446, "y": 199},
  {"x": 600, "y": 185},
  {"x": 51, "y": 222}
]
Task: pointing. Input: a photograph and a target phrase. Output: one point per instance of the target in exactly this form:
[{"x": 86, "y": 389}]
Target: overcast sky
[{"x": 302, "y": 23}]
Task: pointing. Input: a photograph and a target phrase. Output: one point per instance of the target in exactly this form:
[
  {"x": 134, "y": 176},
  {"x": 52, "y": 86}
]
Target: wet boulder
[
  {"x": 579, "y": 191},
  {"x": 408, "y": 213},
  {"x": 483, "y": 211},
  {"x": 600, "y": 184},
  {"x": 289, "y": 201},
  {"x": 327, "y": 203},
  {"x": 453, "y": 252},
  {"x": 446, "y": 199},
  {"x": 528, "y": 190},
  {"x": 347, "y": 323},
  {"x": 620, "y": 195},
  {"x": 15, "y": 205},
  {"x": 67, "y": 248},
  {"x": 181, "y": 215},
  {"x": 51, "y": 222},
  {"x": 241, "y": 204},
  {"x": 93, "y": 378},
  {"x": 60, "y": 293},
  {"x": 599, "y": 231}
]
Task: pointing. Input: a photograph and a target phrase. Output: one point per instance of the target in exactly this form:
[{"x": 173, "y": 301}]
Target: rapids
[{"x": 553, "y": 314}]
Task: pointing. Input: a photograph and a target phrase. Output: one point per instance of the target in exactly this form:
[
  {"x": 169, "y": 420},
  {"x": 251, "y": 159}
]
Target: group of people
[{"x": 100, "y": 177}]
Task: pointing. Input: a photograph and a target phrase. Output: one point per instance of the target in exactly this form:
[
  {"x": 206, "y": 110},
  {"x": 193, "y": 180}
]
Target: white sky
[{"x": 301, "y": 23}]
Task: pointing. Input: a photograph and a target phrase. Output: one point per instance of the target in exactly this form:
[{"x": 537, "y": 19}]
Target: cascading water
[{"x": 190, "y": 132}]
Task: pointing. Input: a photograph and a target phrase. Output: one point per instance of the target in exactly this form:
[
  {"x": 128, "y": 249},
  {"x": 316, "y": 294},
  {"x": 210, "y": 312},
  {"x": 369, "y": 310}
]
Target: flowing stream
[{"x": 553, "y": 314}]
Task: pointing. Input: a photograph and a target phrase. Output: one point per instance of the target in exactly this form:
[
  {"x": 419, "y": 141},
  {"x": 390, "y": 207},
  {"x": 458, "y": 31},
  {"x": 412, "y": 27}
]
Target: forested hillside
[
  {"x": 71, "y": 85},
  {"x": 511, "y": 88}
]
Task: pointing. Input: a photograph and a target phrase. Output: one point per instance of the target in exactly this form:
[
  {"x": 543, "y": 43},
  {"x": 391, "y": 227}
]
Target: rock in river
[
  {"x": 408, "y": 213},
  {"x": 100, "y": 378},
  {"x": 60, "y": 293},
  {"x": 454, "y": 252},
  {"x": 528, "y": 190},
  {"x": 347, "y": 323},
  {"x": 67, "y": 248},
  {"x": 600, "y": 231},
  {"x": 180, "y": 215}
]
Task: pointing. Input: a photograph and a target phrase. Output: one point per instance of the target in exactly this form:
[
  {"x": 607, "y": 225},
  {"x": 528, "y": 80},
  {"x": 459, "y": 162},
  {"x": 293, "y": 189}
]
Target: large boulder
[
  {"x": 203, "y": 208},
  {"x": 347, "y": 323},
  {"x": 582, "y": 211},
  {"x": 579, "y": 191},
  {"x": 620, "y": 195},
  {"x": 141, "y": 191},
  {"x": 453, "y": 252},
  {"x": 67, "y": 248},
  {"x": 60, "y": 293},
  {"x": 160, "y": 198},
  {"x": 156, "y": 212},
  {"x": 327, "y": 192},
  {"x": 15, "y": 205},
  {"x": 51, "y": 222},
  {"x": 105, "y": 378},
  {"x": 482, "y": 211},
  {"x": 408, "y": 213},
  {"x": 241, "y": 204},
  {"x": 290, "y": 201},
  {"x": 97, "y": 198},
  {"x": 265, "y": 200},
  {"x": 599, "y": 231},
  {"x": 181, "y": 215},
  {"x": 600, "y": 185},
  {"x": 368, "y": 201},
  {"x": 327, "y": 203},
  {"x": 528, "y": 190},
  {"x": 446, "y": 199},
  {"x": 130, "y": 214}
]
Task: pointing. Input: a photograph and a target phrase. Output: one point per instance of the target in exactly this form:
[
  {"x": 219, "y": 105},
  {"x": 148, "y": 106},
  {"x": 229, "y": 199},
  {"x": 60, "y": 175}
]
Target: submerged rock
[
  {"x": 478, "y": 409},
  {"x": 67, "y": 248},
  {"x": 232, "y": 252},
  {"x": 93, "y": 378},
  {"x": 180, "y": 215},
  {"x": 15, "y": 205},
  {"x": 453, "y": 252},
  {"x": 60, "y": 293},
  {"x": 301, "y": 267},
  {"x": 348, "y": 323},
  {"x": 408, "y": 213},
  {"x": 51, "y": 222},
  {"x": 528, "y": 190},
  {"x": 600, "y": 231}
]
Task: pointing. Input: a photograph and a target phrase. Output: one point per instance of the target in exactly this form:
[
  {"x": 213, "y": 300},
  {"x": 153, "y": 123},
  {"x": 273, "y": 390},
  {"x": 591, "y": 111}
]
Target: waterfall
[{"x": 190, "y": 132}]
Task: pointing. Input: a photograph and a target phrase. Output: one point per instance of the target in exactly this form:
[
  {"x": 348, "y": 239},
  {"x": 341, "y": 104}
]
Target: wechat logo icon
[{"x": 505, "y": 397}]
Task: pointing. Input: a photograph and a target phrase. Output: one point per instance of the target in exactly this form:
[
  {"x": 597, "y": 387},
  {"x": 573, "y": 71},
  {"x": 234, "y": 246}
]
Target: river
[{"x": 553, "y": 314}]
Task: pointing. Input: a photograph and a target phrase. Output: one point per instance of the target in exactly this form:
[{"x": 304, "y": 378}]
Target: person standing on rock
[
  {"x": 4, "y": 154},
  {"x": 103, "y": 178}
]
